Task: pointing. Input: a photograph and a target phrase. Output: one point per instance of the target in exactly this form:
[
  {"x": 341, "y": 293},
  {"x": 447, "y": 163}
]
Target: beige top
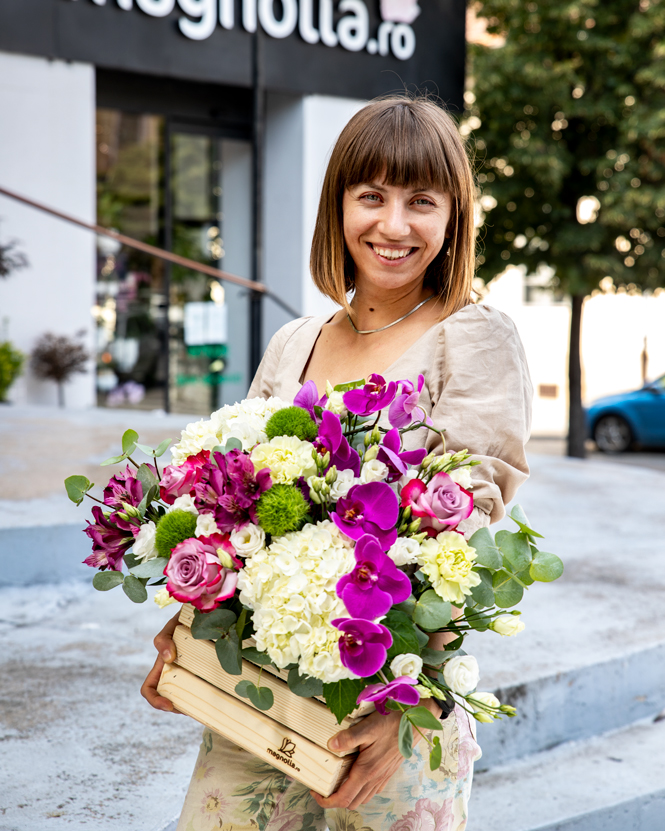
[{"x": 477, "y": 388}]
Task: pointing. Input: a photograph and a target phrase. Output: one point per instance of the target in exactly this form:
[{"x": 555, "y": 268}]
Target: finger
[
  {"x": 360, "y": 735},
  {"x": 347, "y": 792},
  {"x": 149, "y": 689},
  {"x": 164, "y": 640}
]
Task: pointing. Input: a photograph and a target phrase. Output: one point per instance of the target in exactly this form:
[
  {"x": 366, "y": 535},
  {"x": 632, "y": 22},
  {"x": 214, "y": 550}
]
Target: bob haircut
[{"x": 404, "y": 141}]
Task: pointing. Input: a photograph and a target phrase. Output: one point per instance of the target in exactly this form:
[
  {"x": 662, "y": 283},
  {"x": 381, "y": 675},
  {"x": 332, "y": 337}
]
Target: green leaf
[
  {"x": 114, "y": 460},
  {"x": 515, "y": 549},
  {"x": 487, "y": 554},
  {"x": 148, "y": 497},
  {"x": 162, "y": 448},
  {"x": 546, "y": 567},
  {"x": 407, "y": 606},
  {"x": 131, "y": 560},
  {"x": 351, "y": 385},
  {"x": 423, "y": 638},
  {"x": 129, "y": 438},
  {"x": 507, "y": 592},
  {"x": 261, "y": 697},
  {"x": 228, "y": 654},
  {"x": 255, "y": 656},
  {"x": 405, "y": 737},
  {"x": 431, "y": 611},
  {"x": 232, "y": 444},
  {"x": 151, "y": 569},
  {"x": 240, "y": 624},
  {"x": 482, "y": 593},
  {"x": 242, "y": 688},
  {"x": 478, "y": 622},
  {"x": 135, "y": 589},
  {"x": 342, "y": 696},
  {"x": 145, "y": 449},
  {"x": 208, "y": 626},
  {"x": 421, "y": 717},
  {"x": 77, "y": 487},
  {"x": 518, "y": 516},
  {"x": 435, "y": 754},
  {"x": 304, "y": 685},
  {"x": 404, "y": 637},
  {"x": 104, "y": 581},
  {"x": 433, "y": 657}
]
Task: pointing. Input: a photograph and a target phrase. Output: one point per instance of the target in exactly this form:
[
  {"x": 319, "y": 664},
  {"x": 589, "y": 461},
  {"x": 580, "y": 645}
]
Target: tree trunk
[
  {"x": 61, "y": 394},
  {"x": 576, "y": 418}
]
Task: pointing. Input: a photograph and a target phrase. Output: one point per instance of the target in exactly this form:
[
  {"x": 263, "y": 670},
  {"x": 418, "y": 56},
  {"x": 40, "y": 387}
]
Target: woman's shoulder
[
  {"x": 478, "y": 320},
  {"x": 293, "y": 332}
]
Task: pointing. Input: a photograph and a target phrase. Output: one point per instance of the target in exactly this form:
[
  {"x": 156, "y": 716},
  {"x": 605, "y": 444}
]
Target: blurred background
[{"x": 203, "y": 127}]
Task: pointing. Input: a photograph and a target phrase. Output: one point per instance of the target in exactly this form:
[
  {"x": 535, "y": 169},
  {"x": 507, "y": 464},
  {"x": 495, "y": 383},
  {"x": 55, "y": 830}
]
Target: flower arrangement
[{"x": 311, "y": 529}]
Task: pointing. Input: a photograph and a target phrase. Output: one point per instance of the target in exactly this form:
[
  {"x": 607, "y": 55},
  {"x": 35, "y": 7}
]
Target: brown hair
[{"x": 409, "y": 141}]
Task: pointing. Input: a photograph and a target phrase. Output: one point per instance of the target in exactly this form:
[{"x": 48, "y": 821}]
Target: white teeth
[{"x": 391, "y": 253}]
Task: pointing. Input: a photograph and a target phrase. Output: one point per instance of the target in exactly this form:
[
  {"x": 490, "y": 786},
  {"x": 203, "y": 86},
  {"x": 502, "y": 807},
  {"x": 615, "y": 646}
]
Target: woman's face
[{"x": 393, "y": 233}]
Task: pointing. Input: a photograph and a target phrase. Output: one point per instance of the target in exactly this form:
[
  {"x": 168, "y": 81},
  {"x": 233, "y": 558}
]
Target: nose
[{"x": 394, "y": 221}]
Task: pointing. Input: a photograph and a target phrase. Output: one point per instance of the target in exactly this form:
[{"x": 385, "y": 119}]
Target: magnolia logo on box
[
  {"x": 288, "y": 748},
  {"x": 200, "y": 18},
  {"x": 285, "y": 753}
]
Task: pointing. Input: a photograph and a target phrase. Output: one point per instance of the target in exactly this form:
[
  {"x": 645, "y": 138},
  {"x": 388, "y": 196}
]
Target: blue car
[{"x": 618, "y": 422}]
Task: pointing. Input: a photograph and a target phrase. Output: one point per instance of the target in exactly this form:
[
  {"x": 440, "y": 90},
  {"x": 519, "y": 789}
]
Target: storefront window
[{"x": 169, "y": 337}]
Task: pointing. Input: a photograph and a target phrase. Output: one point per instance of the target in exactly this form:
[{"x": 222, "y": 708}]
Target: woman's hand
[
  {"x": 167, "y": 654},
  {"x": 378, "y": 760}
]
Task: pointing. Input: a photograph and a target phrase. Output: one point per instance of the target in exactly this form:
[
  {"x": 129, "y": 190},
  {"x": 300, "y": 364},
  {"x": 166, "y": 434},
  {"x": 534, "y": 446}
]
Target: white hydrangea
[
  {"x": 245, "y": 421},
  {"x": 290, "y": 585}
]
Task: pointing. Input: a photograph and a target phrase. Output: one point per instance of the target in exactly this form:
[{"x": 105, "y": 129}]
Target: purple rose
[
  {"x": 363, "y": 645},
  {"x": 196, "y": 575},
  {"x": 110, "y": 541},
  {"x": 404, "y": 409},
  {"x": 179, "y": 480},
  {"x": 125, "y": 488},
  {"x": 442, "y": 504},
  {"x": 397, "y": 461},
  {"x": 331, "y": 439},
  {"x": 370, "y": 398},
  {"x": 375, "y": 584},
  {"x": 401, "y": 689},
  {"x": 368, "y": 509}
]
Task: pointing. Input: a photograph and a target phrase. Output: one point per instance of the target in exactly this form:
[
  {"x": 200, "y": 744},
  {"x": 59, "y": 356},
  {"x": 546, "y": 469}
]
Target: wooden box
[{"x": 292, "y": 736}]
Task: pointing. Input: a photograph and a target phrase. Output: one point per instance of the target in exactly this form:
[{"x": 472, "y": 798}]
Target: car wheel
[{"x": 612, "y": 434}]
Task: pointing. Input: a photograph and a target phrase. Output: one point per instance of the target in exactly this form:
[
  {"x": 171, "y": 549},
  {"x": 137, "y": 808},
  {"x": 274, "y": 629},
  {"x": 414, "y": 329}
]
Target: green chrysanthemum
[
  {"x": 172, "y": 529},
  {"x": 292, "y": 421},
  {"x": 282, "y": 508}
]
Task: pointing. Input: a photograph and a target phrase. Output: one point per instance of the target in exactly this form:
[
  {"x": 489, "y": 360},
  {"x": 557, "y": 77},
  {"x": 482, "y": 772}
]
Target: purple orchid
[
  {"x": 109, "y": 541},
  {"x": 332, "y": 439},
  {"x": 308, "y": 398},
  {"x": 404, "y": 410},
  {"x": 398, "y": 461},
  {"x": 368, "y": 509},
  {"x": 375, "y": 583},
  {"x": 370, "y": 398},
  {"x": 402, "y": 689},
  {"x": 363, "y": 646},
  {"x": 123, "y": 489}
]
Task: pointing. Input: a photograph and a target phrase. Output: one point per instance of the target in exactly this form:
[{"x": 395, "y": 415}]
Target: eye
[
  {"x": 423, "y": 200},
  {"x": 371, "y": 197}
]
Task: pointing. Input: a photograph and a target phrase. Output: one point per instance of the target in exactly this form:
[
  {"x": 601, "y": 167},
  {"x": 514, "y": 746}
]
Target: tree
[
  {"x": 11, "y": 259},
  {"x": 569, "y": 118},
  {"x": 57, "y": 358}
]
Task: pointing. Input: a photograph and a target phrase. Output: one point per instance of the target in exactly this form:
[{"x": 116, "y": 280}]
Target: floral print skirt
[{"x": 234, "y": 791}]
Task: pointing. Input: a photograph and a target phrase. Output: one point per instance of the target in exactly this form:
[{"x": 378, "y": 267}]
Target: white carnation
[
  {"x": 205, "y": 525},
  {"x": 288, "y": 458},
  {"x": 185, "y": 503},
  {"x": 406, "y": 664},
  {"x": 461, "y": 674},
  {"x": 144, "y": 544},
  {"x": 342, "y": 485},
  {"x": 248, "y": 540},
  {"x": 373, "y": 471},
  {"x": 404, "y": 551},
  {"x": 462, "y": 476}
]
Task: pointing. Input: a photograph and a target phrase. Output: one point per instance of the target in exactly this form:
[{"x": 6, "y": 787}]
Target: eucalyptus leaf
[
  {"x": 304, "y": 685},
  {"x": 242, "y": 688},
  {"x": 515, "y": 549},
  {"x": 162, "y": 448},
  {"x": 261, "y": 697},
  {"x": 252, "y": 654},
  {"x": 481, "y": 623},
  {"x": 134, "y": 589},
  {"x": 240, "y": 624},
  {"x": 518, "y": 516},
  {"x": 487, "y": 554},
  {"x": 407, "y": 606},
  {"x": 151, "y": 568},
  {"x": 546, "y": 567},
  {"x": 232, "y": 444},
  {"x": 507, "y": 592},
  {"x": 131, "y": 560},
  {"x": 423, "y": 638},
  {"x": 104, "y": 581},
  {"x": 482, "y": 593},
  {"x": 144, "y": 448},
  {"x": 129, "y": 439},
  {"x": 114, "y": 460},
  {"x": 208, "y": 626},
  {"x": 77, "y": 487},
  {"x": 228, "y": 654},
  {"x": 421, "y": 717},
  {"x": 435, "y": 754},
  {"x": 431, "y": 612},
  {"x": 147, "y": 478},
  {"x": 405, "y": 737},
  {"x": 433, "y": 657}
]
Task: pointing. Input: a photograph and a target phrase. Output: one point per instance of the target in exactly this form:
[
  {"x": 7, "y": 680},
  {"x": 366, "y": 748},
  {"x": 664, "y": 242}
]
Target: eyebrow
[{"x": 377, "y": 186}]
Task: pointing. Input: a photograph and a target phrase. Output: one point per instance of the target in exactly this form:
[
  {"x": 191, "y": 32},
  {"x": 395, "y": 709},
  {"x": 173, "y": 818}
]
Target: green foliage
[
  {"x": 209, "y": 626},
  {"x": 303, "y": 685},
  {"x": 135, "y": 589},
  {"x": 405, "y": 737},
  {"x": 545, "y": 567},
  {"x": 280, "y": 509},
  {"x": 77, "y": 487},
  {"x": 404, "y": 637},
  {"x": 228, "y": 653},
  {"x": 431, "y": 612},
  {"x": 104, "y": 581},
  {"x": 261, "y": 697},
  {"x": 172, "y": 529},
  {"x": 251, "y": 653},
  {"x": 572, "y": 106},
  {"x": 342, "y": 696},
  {"x": 292, "y": 421},
  {"x": 151, "y": 569},
  {"x": 11, "y": 364}
]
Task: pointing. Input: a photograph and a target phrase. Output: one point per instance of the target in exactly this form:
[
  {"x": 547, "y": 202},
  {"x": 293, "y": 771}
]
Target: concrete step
[{"x": 614, "y": 782}]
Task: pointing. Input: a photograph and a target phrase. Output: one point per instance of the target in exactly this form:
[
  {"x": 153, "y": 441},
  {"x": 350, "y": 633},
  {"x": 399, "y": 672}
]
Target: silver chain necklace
[{"x": 394, "y": 323}]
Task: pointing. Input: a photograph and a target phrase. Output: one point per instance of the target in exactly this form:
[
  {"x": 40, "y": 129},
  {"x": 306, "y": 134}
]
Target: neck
[{"x": 372, "y": 307}]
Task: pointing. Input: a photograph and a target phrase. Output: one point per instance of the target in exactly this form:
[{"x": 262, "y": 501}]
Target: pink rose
[
  {"x": 196, "y": 575},
  {"x": 180, "y": 480},
  {"x": 427, "y": 816},
  {"x": 442, "y": 504}
]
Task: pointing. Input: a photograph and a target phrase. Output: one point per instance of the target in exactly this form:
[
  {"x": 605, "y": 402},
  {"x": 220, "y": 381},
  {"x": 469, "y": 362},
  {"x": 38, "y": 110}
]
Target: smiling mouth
[{"x": 391, "y": 253}]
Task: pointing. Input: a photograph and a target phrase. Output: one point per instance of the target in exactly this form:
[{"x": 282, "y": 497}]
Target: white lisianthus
[
  {"x": 185, "y": 503},
  {"x": 205, "y": 525},
  {"x": 404, "y": 551},
  {"x": 448, "y": 560},
  {"x": 462, "y": 477},
  {"x": 144, "y": 543},
  {"x": 163, "y": 599},
  {"x": 373, "y": 471},
  {"x": 291, "y": 587},
  {"x": 461, "y": 674},
  {"x": 342, "y": 485},
  {"x": 225, "y": 558},
  {"x": 406, "y": 664},
  {"x": 479, "y": 712},
  {"x": 288, "y": 458},
  {"x": 507, "y": 625},
  {"x": 335, "y": 403},
  {"x": 248, "y": 540},
  {"x": 423, "y": 692}
]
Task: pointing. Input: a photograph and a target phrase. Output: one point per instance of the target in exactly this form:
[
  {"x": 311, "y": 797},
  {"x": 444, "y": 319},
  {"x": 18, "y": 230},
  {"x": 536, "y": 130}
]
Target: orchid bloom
[
  {"x": 363, "y": 646},
  {"x": 398, "y": 461},
  {"x": 402, "y": 689},
  {"x": 368, "y": 509},
  {"x": 370, "y": 398},
  {"x": 405, "y": 410}
]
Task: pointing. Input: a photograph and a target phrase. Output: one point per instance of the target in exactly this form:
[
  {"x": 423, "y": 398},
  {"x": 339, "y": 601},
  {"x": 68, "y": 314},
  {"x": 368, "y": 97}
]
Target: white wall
[{"x": 47, "y": 141}]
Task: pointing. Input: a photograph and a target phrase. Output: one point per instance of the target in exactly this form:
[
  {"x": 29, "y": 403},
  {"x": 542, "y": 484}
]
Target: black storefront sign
[{"x": 355, "y": 48}]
